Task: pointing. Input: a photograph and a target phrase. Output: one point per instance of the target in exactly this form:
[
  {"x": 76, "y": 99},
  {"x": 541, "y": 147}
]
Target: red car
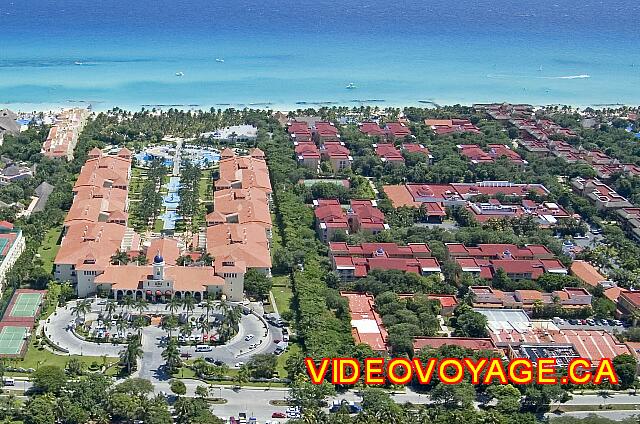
[{"x": 278, "y": 415}]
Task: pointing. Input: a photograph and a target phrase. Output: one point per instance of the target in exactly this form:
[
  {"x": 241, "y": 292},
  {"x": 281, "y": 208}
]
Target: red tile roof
[
  {"x": 366, "y": 324},
  {"x": 468, "y": 343},
  {"x": 371, "y": 129},
  {"x": 388, "y": 153}
]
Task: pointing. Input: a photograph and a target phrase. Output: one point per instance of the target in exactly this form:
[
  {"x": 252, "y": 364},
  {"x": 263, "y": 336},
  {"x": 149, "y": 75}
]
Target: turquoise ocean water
[{"x": 294, "y": 53}]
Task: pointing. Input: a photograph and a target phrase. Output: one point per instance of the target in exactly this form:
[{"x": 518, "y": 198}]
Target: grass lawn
[
  {"x": 158, "y": 225},
  {"x": 282, "y": 359},
  {"x": 36, "y": 358},
  {"x": 49, "y": 248},
  {"x": 282, "y": 293}
]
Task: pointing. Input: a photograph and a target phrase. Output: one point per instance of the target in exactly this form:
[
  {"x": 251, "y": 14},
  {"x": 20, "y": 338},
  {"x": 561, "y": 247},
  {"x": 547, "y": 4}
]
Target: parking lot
[{"x": 591, "y": 324}]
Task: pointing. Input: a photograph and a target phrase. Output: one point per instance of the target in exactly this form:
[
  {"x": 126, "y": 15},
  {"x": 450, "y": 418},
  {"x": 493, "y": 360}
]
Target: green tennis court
[
  {"x": 12, "y": 340},
  {"x": 26, "y": 305},
  {"x": 3, "y": 244}
]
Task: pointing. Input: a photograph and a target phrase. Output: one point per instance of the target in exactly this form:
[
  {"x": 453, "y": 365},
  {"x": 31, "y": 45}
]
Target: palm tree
[
  {"x": 119, "y": 258},
  {"x": 173, "y": 305},
  {"x": 208, "y": 306},
  {"x": 234, "y": 316},
  {"x": 142, "y": 260},
  {"x": 110, "y": 308},
  {"x": 204, "y": 326},
  {"x": 206, "y": 259},
  {"x": 141, "y": 305},
  {"x": 200, "y": 367},
  {"x": 171, "y": 355},
  {"x": 138, "y": 323},
  {"x": 128, "y": 302},
  {"x": 170, "y": 323},
  {"x": 121, "y": 325},
  {"x": 242, "y": 376},
  {"x": 186, "y": 330},
  {"x": 129, "y": 356},
  {"x": 189, "y": 304},
  {"x": 83, "y": 307}
]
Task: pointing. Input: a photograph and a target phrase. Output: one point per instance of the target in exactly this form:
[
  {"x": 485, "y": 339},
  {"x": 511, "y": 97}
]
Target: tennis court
[
  {"x": 26, "y": 305},
  {"x": 12, "y": 340},
  {"x": 3, "y": 244}
]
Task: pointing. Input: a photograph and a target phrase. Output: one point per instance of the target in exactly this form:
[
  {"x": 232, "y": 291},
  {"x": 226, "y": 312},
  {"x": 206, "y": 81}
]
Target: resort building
[
  {"x": 516, "y": 269},
  {"x": 599, "y": 194},
  {"x": 160, "y": 282},
  {"x": 388, "y": 153},
  {"x": 299, "y": 131},
  {"x": 324, "y": 132},
  {"x": 366, "y": 324},
  {"x": 456, "y": 194},
  {"x": 397, "y": 130},
  {"x": 307, "y": 154},
  {"x": 546, "y": 214},
  {"x": 569, "y": 298},
  {"x": 629, "y": 302},
  {"x": 238, "y": 237},
  {"x": 587, "y": 274},
  {"x": 12, "y": 244},
  {"x": 417, "y": 148},
  {"x": 330, "y": 218},
  {"x": 364, "y": 216},
  {"x": 476, "y": 155},
  {"x": 63, "y": 135},
  {"x": 470, "y": 343},
  {"x": 242, "y": 133},
  {"x": 337, "y": 154},
  {"x": 499, "y": 251},
  {"x": 449, "y": 126},
  {"x": 630, "y": 220},
  {"x": 352, "y": 262},
  {"x": 372, "y": 129},
  {"x": 243, "y": 172}
]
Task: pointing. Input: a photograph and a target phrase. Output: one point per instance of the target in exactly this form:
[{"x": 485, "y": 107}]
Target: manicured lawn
[
  {"x": 282, "y": 292},
  {"x": 158, "y": 225},
  {"x": 282, "y": 359},
  {"x": 49, "y": 248},
  {"x": 36, "y": 358}
]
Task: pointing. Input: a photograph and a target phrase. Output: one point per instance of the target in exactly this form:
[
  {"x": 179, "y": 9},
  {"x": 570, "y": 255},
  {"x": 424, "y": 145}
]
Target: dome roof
[{"x": 158, "y": 259}]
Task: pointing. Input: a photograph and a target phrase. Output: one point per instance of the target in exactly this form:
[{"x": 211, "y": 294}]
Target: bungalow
[
  {"x": 307, "y": 154},
  {"x": 364, "y": 216},
  {"x": 325, "y": 131},
  {"x": 330, "y": 218},
  {"x": 388, "y": 153},
  {"x": 372, "y": 129},
  {"x": 337, "y": 154},
  {"x": 397, "y": 130},
  {"x": 449, "y": 126}
]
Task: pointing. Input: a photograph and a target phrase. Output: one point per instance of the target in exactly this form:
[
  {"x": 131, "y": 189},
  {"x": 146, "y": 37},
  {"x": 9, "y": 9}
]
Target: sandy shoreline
[{"x": 102, "y": 107}]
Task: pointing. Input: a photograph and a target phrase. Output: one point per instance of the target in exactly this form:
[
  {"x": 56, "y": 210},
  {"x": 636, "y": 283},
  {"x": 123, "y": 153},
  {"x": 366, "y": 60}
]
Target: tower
[{"x": 158, "y": 267}]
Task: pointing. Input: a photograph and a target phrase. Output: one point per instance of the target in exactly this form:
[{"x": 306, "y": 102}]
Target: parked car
[
  {"x": 253, "y": 346},
  {"x": 573, "y": 321},
  {"x": 278, "y": 415},
  {"x": 238, "y": 364},
  {"x": 591, "y": 322},
  {"x": 248, "y": 337},
  {"x": 203, "y": 348}
]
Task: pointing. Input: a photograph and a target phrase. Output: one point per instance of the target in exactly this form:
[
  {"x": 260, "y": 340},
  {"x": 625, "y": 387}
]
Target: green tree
[
  {"x": 178, "y": 387},
  {"x": 171, "y": 355},
  {"x": 39, "y": 410},
  {"x": 129, "y": 355},
  {"x": 48, "y": 379}
]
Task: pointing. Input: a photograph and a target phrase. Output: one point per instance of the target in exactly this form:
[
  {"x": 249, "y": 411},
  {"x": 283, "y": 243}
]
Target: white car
[
  {"x": 248, "y": 337},
  {"x": 253, "y": 346},
  {"x": 238, "y": 364}
]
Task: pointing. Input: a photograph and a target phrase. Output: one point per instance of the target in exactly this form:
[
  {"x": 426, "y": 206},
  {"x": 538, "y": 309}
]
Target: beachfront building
[
  {"x": 63, "y": 135},
  {"x": 325, "y": 132},
  {"x": 12, "y": 244},
  {"x": 299, "y": 131}
]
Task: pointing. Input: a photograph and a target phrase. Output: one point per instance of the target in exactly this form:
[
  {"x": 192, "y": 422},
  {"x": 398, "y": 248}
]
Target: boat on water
[
  {"x": 78, "y": 63},
  {"x": 179, "y": 74},
  {"x": 219, "y": 60},
  {"x": 350, "y": 86}
]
